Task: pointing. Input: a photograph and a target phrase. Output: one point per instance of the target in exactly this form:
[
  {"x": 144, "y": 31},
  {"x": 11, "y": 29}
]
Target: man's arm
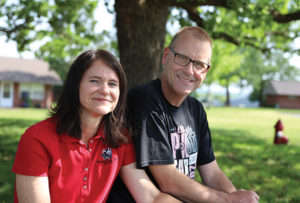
[
  {"x": 173, "y": 182},
  {"x": 32, "y": 189},
  {"x": 212, "y": 176},
  {"x": 141, "y": 187},
  {"x": 177, "y": 184}
]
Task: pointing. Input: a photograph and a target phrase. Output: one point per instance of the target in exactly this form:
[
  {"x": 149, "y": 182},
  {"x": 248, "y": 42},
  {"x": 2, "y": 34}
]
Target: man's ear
[{"x": 164, "y": 56}]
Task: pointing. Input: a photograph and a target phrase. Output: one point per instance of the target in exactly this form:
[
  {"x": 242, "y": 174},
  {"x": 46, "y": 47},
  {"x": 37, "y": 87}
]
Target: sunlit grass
[
  {"x": 243, "y": 144},
  {"x": 242, "y": 141},
  {"x": 258, "y": 122},
  {"x": 23, "y": 113},
  {"x": 13, "y": 123}
]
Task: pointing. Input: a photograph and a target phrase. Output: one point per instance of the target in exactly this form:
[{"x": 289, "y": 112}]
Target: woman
[{"x": 75, "y": 155}]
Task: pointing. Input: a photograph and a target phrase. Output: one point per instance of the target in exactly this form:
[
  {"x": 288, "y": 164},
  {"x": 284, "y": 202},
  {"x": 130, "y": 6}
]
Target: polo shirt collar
[{"x": 68, "y": 139}]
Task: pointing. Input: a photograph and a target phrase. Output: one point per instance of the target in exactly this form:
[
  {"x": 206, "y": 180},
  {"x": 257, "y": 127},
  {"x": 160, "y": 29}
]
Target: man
[{"x": 171, "y": 131}]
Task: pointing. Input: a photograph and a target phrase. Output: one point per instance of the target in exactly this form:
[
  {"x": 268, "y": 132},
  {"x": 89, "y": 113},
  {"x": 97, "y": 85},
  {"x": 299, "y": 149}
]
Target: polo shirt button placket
[
  {"x": 91, "y": 141},
  {"x": 85, "y": 179}
]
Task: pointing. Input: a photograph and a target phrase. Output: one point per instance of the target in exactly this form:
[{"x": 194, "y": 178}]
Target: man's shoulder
[
  {"x": 145, "y": 93},
  {"x": 193, "y": 102},
  {"x": 146, "y": 99},
  {"x": 145, "y": 89}
]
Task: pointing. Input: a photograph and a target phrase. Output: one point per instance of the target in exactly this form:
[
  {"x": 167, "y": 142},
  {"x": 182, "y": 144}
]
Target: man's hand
[{"x": 243, "y": 196}]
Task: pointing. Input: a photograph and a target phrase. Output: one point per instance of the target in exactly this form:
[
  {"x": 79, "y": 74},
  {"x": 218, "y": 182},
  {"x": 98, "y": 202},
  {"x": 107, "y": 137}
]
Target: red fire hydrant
[{"x": 279, "y": 137}]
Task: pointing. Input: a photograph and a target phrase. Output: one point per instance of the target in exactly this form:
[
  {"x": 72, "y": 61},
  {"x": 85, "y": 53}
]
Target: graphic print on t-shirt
[{"x": 185, "y": 149}]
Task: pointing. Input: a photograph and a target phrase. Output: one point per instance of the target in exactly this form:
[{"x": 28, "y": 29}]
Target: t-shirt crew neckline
[{"x": 170, "y": 106}]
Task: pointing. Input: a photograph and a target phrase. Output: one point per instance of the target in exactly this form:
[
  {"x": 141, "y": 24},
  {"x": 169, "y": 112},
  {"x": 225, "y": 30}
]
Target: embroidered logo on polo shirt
[{"x": 107, "y": 154}]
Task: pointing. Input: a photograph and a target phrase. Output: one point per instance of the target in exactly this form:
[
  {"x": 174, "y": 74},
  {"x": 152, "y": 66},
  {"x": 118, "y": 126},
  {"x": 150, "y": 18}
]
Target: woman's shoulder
[{"x": 43, "y": 129}]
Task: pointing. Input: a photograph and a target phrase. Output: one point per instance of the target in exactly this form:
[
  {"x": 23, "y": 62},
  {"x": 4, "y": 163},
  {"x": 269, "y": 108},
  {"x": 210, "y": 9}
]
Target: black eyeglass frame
[{"x": 191, "y": 60}]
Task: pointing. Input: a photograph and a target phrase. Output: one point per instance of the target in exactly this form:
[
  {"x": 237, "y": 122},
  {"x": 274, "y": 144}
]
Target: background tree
[
  {"x": 226, "y": 62},
  {"x": 257, "y": 70},
  {"x": 263, "y": 24},
  {"x": 67, "y": 26}
]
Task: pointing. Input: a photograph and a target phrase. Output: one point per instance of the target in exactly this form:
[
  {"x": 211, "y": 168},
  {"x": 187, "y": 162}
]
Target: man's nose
[{"x": 189, "y": 68}]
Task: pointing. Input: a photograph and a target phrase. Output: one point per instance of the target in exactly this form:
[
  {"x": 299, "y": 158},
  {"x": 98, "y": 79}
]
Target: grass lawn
[
  {"x": 243, "y": 145},
  {"x": 13, "y": 123},
  {"x": 242, "y": 140}
]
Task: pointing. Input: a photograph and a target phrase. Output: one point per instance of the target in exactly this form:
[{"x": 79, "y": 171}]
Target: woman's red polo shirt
[{"x": 76, "y": 173}]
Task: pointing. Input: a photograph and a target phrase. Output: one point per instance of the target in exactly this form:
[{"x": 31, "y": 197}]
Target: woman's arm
[
  {"x": 32, "y": 189},
  {"x": 141, "y": 187}
]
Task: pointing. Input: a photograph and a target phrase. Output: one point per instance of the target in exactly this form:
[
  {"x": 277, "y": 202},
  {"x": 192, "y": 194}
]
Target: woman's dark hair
[{"x": 66, "y": 112}]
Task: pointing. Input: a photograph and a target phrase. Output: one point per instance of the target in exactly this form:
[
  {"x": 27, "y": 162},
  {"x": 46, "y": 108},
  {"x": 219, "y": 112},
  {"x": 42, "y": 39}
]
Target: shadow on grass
[
  {"x": 252, "y": 163},
  {"x": 10, "y": 133}
]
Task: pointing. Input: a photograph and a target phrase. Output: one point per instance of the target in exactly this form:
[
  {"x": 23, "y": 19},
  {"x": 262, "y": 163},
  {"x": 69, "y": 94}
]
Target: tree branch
[
  {"x": 193, "y": 14},
  {"x": 195, "y": 3},
  {"x": 277, "y": 17},
  {"x": 231, "y": 39},
  {"x": 14, "y": 29},
  {"x": 191, "y": 7},
  {"x": 285, "y": 18}
]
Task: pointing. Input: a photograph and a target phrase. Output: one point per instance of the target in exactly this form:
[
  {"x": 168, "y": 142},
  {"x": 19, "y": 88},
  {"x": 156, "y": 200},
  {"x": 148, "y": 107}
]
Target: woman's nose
[{"x": 104, "y": 89}]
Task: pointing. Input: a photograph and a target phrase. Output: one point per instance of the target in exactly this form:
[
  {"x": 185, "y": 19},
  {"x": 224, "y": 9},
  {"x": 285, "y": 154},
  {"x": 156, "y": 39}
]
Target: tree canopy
[{"x": 68, "y": 28}]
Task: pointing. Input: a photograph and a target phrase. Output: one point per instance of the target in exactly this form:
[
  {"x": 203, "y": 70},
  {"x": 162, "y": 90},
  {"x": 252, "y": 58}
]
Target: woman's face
[{"x": 99, "y": 90}]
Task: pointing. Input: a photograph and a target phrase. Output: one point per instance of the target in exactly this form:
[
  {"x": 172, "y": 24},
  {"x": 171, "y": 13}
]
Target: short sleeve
[
  {"x": 129, "y": 154},
  {"x": 151, "y": 138},
  {"x": 205, "y": 151},
  {"x": 152, "y": 141},
  {"x": 31, "y": 158},
  {"x": 148, "y": 120}
]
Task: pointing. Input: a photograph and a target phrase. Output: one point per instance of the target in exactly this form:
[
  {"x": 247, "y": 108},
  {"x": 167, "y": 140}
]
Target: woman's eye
[
  {"x": 113, "y": 84},
  {"x": 93, "y": 81}
]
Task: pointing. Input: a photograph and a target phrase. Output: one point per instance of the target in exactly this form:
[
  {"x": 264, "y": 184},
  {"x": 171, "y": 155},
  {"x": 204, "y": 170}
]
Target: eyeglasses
[{"x": 183, "y": 60}]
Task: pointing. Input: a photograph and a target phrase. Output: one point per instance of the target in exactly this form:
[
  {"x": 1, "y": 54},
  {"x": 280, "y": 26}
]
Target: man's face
[{"x": 179, "y": 81}]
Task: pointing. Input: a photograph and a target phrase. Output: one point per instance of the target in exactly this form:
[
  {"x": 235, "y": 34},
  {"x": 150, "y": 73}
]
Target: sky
[{"x": 106, "y": 22}]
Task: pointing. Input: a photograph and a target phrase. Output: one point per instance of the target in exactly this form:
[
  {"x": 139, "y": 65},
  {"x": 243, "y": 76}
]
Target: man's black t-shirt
[{"x": 166, "y": 134}]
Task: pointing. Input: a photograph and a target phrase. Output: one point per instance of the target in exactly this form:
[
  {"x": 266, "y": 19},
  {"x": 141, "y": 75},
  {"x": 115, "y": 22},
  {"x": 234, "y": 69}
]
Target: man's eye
[
  {"x": 199, "y": 65},
  {"x": 183, "y": 57}
]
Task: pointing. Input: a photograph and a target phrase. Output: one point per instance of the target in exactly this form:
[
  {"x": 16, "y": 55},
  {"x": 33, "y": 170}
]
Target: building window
[
  {"x": 6, "y": 90},
  {"x": 293, "y": 97},
  {"x": 33, "y": 91}
]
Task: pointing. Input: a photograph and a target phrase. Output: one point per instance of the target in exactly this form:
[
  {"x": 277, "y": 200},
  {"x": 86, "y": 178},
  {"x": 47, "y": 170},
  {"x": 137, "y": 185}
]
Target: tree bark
[{"x": 141, "y": 29}]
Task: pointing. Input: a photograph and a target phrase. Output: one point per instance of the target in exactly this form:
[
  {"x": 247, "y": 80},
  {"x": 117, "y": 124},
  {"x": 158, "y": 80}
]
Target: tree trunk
[
  {"x": 227, "y": 96},
  {"x": 208, "y": 95},
  {"x": 260, "y": 94},
  {"x": 141, "y": 29}
]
